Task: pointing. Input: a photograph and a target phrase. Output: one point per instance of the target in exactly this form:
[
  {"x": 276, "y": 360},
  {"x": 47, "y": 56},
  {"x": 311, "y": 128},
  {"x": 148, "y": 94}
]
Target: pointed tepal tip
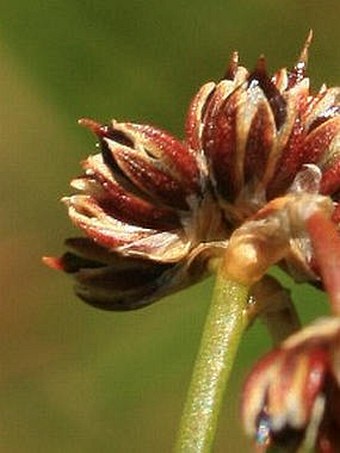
[
  {"x": 261, "y": 65},
  {"x": 232, "y": 66},
  {"x": 97, "y": 128},
  {"x": 53, "y": 263},
  {"x": 260, "y": 72},
  {"x": 67, "y": 201},
  {"x": 303, "y": 58}
]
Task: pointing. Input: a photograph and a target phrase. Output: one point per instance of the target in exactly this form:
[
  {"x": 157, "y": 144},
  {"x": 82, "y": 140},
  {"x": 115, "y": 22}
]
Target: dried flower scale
[{"x": 261, "y": 156}]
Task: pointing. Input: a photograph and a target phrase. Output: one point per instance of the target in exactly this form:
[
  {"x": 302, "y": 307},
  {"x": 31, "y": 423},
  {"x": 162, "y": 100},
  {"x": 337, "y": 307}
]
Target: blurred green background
[{"x": 74, "y": 379}]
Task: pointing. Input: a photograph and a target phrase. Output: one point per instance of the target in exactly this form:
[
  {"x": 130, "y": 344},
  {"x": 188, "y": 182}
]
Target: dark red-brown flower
[
  {"x": 261, "y": 153},
  {"x": 293, "y": 394}
]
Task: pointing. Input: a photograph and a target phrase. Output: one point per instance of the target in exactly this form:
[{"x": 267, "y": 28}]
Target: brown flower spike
[{"x": 261, "y": 154}]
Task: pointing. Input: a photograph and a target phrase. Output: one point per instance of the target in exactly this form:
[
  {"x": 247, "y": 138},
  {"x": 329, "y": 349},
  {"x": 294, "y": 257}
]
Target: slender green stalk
[{"x": 222, "y": 333}]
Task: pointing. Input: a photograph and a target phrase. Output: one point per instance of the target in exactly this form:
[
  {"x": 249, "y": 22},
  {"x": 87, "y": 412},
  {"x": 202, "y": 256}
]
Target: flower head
[
  {"x": 293, "y": 393},
  {"x": 157, "y": 212}
]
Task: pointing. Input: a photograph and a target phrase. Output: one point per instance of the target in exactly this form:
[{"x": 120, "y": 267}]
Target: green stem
[{"x": 222, "y": 333}]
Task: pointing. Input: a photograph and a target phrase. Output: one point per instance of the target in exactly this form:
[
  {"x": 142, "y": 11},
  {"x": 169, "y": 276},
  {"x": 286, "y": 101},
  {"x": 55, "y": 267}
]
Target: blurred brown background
[{"x": 74, "y": 379}]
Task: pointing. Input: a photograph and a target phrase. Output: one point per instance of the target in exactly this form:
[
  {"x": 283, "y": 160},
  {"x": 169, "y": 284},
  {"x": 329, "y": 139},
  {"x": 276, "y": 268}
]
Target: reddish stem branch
[{"x": 326, "y": 244}]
